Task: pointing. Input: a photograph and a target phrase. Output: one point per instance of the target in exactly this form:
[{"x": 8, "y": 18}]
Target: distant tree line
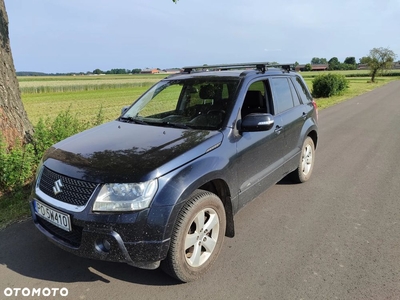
[
  {"x": 24, "y": 73},
  {"x": 31, "y": 74},
  {"x": 334, "y": 63},
  {"x": 96, "y": 72},
  {"x": 117, "y": 71},
  {"x": 379, "y": 59}
]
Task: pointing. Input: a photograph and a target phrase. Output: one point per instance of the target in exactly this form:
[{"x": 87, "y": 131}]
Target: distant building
[
  {"x": 150, "y": 71},
  {"x": 172, "y": 71},
  {"x": 362, "y": 67},
  {"x": 320, "y": 67}
]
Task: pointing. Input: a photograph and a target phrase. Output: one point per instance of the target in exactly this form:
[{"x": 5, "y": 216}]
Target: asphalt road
[{"x": 334, "y": 237}]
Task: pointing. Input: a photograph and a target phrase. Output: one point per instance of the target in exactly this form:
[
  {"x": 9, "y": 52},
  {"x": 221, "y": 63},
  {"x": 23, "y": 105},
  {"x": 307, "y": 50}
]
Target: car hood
[{"x": 126, "y": 152}]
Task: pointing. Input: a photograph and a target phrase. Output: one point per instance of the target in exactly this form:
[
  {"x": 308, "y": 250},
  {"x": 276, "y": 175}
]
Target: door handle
[
  {"x": 278, "y": 129},
  {"x": 304, "y": 115}
]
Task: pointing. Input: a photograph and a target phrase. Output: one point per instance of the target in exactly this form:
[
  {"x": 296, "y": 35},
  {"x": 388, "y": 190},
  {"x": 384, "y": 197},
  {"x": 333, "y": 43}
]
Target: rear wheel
[
  {"x": 197, "y": 237},
  {"x": 306, "y": 163}
]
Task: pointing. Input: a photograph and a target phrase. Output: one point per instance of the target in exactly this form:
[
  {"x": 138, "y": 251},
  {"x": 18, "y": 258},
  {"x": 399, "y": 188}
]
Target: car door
[
  {"x": 293, "y": 115},
  {"x": 259, "y": 159}
]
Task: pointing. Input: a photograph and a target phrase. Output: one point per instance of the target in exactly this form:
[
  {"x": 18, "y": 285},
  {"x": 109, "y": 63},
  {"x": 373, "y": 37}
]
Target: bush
[
  {"x": 328, "y": 85},
  {"x": 18, "y": 164},
  {"x": 49, "y": 132}
]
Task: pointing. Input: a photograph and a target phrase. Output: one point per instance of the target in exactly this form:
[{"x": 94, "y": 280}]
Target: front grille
[
  {"x": 73, "y": 191},
  {"x": 73, "y": 237}
]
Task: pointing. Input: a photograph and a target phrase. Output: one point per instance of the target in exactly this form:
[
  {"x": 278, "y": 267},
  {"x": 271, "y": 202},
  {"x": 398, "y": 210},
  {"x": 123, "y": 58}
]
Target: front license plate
[{"x": 53, "y": 216}]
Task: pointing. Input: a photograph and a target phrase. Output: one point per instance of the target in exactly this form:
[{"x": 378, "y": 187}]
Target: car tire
[
  {"x": 306, "y": 163},
  {"x": 197, "y": 237}
]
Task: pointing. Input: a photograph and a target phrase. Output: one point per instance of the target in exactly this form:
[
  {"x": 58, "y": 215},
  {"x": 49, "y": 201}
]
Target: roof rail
[{"x": 261, "y": 66}]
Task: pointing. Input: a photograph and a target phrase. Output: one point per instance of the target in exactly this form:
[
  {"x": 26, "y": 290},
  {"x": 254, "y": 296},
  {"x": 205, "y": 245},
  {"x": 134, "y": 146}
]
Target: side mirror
[
  {"x": 124, "y": 109},
  {"x": 257, "y": 122}
]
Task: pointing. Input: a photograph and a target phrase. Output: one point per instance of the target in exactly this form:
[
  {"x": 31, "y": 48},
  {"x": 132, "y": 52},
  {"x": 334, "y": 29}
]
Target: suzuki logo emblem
[{"x": 57, "y": 187}]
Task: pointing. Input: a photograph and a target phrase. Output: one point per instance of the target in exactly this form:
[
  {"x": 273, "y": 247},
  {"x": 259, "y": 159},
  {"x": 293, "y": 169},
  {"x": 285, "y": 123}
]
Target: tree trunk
[
  {"x": 373, "y": 74},
  {"x": 14, "y": 123}
]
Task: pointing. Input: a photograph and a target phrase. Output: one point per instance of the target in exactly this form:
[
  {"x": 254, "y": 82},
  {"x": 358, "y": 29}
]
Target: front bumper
[{"x": 109, "y": 241}]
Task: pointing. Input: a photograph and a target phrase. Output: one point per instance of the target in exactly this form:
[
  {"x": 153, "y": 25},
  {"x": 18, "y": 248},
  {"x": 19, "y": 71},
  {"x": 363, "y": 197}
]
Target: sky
[{"x": 60, "y": 36}]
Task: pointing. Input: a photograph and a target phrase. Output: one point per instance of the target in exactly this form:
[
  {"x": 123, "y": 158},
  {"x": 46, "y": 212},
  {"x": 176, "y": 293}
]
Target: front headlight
[{"x": 125, "y": 196}]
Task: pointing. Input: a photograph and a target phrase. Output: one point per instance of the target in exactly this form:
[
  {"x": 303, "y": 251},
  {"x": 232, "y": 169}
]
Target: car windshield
[{"x": 189, "y": 103}]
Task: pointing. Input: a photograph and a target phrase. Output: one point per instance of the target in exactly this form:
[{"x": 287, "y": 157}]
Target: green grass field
[
  {"x": 85, "y": 104},
  {"x": 47, "y": 96}
]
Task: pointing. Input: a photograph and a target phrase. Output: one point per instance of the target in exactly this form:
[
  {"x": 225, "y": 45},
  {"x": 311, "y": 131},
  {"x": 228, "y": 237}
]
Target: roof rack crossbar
[{"x": 261, "y": 66}]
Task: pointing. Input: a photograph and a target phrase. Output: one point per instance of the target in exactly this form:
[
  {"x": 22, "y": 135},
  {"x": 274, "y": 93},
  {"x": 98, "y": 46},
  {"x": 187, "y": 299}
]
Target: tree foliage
[
  {"x": 348, "y": 64},
  {"x": 118, "y": 71},
  {"x": 307, "y": 67},
  {"x": 350, "y": 60},
  {"x": 318, "y": 61},
  {"x": 334, "y": 63},
  {"x": 364, "y": 60},
  {"x": 380, "y": 59},
  {"x": 345, "y": 66},
  {"x": 98, "y": 71}
]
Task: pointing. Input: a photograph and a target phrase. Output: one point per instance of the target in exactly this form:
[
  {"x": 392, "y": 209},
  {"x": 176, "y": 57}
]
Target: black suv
[{"x": 162, "y": 183}]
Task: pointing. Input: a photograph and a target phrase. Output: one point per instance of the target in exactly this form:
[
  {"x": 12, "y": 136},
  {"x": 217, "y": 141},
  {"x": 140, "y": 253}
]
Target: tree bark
[
  {"x": 14, "y": 122},
  {"x": 373, "y": 74}
]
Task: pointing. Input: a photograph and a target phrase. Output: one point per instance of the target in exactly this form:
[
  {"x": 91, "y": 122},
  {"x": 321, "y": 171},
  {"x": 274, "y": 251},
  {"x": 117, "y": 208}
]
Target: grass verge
[
  {"x": 14, "y": 206},
  {"x": 357, "y": 86}
]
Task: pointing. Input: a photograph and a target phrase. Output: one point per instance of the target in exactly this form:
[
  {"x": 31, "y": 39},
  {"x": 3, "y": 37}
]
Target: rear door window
[
  {"x": 282, "y": 94},
  {"x": 302, "y": 90},
  {"x": 296, "y": 100}
]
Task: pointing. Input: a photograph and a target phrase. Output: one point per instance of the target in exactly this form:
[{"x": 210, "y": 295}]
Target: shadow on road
[
  {"x": 25, "y": 251},
  {"x": 286, "y": 181}
]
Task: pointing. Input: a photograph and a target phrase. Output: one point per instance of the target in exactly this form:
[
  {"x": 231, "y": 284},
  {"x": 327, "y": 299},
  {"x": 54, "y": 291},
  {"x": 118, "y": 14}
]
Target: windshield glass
[{"x": 190, "y": 103}]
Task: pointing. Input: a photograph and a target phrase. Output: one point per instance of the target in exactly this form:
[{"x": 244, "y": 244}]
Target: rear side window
[
  {"x": 295, "y": 97},
  {"x": 282, "y": 94},
  {"x": 302, "y": 90}
]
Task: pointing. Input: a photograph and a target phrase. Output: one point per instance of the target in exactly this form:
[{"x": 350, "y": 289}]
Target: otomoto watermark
[{"x": 36, "y": 292}]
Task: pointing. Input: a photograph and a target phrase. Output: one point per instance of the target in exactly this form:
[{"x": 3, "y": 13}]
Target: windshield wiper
[
  {"x": 134, "y": 120},
  {"x": 168, "y": 124},
  {"x": 176, "y": 125}
]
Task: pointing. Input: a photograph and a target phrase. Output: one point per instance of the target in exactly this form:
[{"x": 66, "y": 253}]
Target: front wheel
[
  {"x": 197, "y": 237},
  {"x": 306, "y": 163}
]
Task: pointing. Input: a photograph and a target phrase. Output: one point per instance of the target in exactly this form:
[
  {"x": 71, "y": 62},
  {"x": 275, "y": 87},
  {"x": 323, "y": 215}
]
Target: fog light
[{"x": 103, "y": 246}]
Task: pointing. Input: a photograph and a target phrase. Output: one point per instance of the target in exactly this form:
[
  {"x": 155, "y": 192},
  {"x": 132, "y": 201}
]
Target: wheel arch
[
  {"x": 221, "y": 189},
  {"x": 314, "y": 136},
  {"x": 217, "y": 186},
  {"x": 180, "y": 184}
]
